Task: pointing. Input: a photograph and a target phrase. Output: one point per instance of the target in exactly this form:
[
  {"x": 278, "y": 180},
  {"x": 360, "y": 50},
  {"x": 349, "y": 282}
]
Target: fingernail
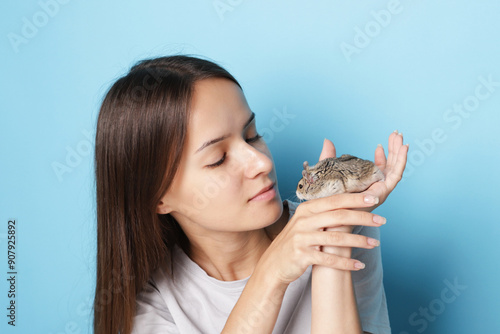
[
  {"x": 401, "y": 134},
  {"x": 371, "y": 199},
  {"x": 373, "y": 242},
  {"x": 359, "y": 265},
  {"x": 379, "y": 145},
  {"x": 379, "y": 220},
  {"x": 395, "y": 131},
  {"x": 408, "y": 145}
]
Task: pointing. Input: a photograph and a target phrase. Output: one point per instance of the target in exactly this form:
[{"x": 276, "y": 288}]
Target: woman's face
[{"x": 224, "y": 166}]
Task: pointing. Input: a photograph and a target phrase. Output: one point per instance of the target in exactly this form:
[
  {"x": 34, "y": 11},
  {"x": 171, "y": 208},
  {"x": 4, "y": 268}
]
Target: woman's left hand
[{"x": 392, "y": 167}]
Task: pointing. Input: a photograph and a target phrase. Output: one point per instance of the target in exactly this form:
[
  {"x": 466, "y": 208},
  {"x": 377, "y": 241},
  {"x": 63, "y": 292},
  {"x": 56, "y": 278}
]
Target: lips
[{"x": 263, "y": 190}]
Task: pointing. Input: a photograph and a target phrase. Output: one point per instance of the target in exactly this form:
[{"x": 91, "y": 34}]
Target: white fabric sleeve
[
  {"x": 368, "y": 285},
  {"x": 152, "y": 315}
]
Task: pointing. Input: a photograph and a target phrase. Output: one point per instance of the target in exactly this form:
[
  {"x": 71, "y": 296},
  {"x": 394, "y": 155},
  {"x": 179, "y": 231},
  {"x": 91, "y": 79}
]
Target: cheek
[
  {"x": 209, "y": 191},
  {"x": 213, "y": 201},
  {"x": 217, "y": 188}
]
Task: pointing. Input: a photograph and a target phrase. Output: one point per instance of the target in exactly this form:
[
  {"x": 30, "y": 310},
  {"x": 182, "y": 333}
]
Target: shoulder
[{"x": 152, "y": 314}]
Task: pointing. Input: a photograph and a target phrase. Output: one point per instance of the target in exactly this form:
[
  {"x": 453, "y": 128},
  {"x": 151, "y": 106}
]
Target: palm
[{"x": 392, "y": 166}]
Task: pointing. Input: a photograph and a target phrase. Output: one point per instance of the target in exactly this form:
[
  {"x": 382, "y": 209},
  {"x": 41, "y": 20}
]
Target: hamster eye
[{"x": 300, "y": 186}]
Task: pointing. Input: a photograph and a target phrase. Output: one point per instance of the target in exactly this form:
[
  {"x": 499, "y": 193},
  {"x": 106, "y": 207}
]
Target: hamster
[{"x": 337, "y": 175}]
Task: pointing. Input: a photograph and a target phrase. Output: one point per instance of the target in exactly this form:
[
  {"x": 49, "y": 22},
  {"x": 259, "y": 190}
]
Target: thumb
[{"x": 328, "y": 150}]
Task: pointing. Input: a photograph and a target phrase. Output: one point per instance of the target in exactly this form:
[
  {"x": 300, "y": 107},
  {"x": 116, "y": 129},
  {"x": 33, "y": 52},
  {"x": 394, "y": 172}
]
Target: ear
[
  {"x": 163, "y": 208},
  {"x": 309, "y": 177},
  {"x": 312, "y": 178}
]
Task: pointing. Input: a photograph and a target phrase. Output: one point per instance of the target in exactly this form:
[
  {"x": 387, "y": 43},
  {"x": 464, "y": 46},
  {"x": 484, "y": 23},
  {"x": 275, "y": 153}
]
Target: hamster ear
[
  {"x": 305, "y": 165},
  {"x": 309, "y": 177}
]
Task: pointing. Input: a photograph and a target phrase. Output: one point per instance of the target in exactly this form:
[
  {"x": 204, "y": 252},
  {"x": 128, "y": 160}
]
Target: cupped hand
[
  {"x": 297, "y": 246},
  {"x": 392, "y": 166}
]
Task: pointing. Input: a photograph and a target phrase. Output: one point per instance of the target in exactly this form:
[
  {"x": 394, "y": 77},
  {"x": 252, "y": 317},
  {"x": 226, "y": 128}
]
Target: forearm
[
  {"x": 334, "y": 308},
  {"x": 257, "y": 308}
]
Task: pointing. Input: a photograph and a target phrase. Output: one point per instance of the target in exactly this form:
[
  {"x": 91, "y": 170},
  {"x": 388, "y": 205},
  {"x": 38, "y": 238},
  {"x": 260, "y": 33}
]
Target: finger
[
  {"x": 336, "y": 261},
  {"x": 389, "y": 145},
  {"x": 390, "y": 149},
  {"x": 380, "y": 160},
  {"x": 396, "y": 145},
  {"x": 343, "y": 217},
  {"x": 396, "y": 173},
  {"x": 328, "y": 150},
  {"x": 339, "y": 201},
  {"x": 340, "y": 239}
]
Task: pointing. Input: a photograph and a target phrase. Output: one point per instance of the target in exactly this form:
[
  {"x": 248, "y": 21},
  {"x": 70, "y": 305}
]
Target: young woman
[{"x": 192, "y": 235}]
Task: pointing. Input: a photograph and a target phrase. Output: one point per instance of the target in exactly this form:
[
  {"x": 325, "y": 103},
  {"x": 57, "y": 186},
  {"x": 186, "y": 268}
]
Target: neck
[{"x": 229, "y": 256}]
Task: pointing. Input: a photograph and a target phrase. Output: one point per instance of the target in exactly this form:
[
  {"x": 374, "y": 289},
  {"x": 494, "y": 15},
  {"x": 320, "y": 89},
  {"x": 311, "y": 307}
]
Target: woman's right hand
[{"x": 297, "y": 246}]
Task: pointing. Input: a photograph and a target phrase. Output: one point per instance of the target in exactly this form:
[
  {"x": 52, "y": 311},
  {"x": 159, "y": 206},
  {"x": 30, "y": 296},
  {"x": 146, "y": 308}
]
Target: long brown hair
[{"x": 141, "y": 130}]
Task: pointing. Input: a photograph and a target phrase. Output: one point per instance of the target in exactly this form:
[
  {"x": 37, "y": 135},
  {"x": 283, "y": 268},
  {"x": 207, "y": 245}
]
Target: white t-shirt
[{"x": 197, "y": 303}]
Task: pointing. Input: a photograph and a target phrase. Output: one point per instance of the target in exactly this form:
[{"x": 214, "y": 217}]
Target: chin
[{"x": 269, "y": 212}]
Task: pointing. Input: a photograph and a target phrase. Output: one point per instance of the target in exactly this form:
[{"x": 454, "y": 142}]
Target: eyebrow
[{"x": 216, "y": 140}]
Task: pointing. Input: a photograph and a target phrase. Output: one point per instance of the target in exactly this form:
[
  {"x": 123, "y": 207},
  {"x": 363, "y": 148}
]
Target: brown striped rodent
[{"x": 337, "y": 175}]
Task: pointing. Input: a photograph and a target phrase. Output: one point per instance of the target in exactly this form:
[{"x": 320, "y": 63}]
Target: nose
[{"x": 256, "y": 160}]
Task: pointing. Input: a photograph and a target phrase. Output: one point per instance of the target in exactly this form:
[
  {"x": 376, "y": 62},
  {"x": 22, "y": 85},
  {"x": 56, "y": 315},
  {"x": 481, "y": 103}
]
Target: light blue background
[{"x": 443, "y": 221}]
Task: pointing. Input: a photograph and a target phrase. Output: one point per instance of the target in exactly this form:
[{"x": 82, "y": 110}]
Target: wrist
[
  {"x": 340, "y": 251},
  {"x": 270, "y": 279}
]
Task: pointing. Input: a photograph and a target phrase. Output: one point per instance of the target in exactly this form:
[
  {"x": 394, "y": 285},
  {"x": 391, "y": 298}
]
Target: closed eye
[
  {"x": 218, "y": 163},
  {"x": 221, "y": 161},
  {"x": 253, "y": 139}
]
